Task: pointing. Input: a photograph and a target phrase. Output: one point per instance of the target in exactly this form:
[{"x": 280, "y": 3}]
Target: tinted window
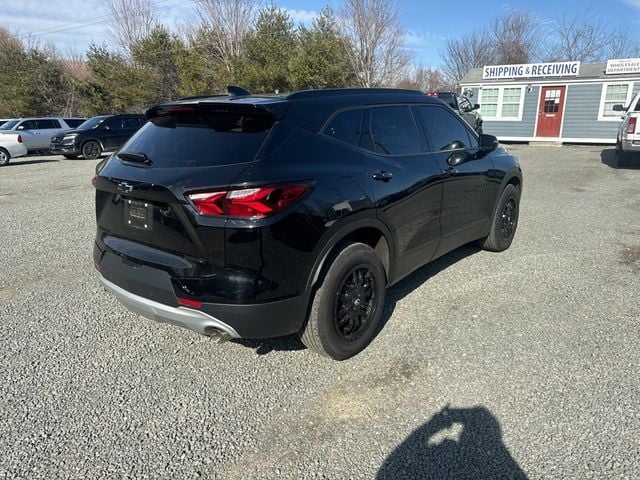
[
  {"x": 92, "y": 122},
  {"x": 393, "y": 131},
  {"x": 446, "y": 131},
  {"x": 74, "y": 122},
  {"x": 346, "y": 126},
  {"x": 28, "y": 125},
  {"x": 114, "y": 124},
  {"x": 131, "y": 123},
  {"x": 48, "y": 124},
  {"x": 197, "y": 139}
]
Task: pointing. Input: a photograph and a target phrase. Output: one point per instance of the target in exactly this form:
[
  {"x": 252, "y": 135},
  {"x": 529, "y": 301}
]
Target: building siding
[
  {"x": 525, "y": 127},
  {"x": 581, "y": 113}
]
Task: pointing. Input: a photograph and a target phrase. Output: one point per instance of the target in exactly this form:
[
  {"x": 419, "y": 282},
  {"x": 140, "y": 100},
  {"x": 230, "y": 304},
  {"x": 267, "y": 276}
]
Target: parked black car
[
  {"x": 104, "y": 133},
  {"x": 249, "y": 216},
  {"x": 463, "y": 107}
]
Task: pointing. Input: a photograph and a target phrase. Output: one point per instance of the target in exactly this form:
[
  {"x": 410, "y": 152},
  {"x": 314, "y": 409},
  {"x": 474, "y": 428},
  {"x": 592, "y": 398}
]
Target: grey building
[{"x": 559, "y": 101}]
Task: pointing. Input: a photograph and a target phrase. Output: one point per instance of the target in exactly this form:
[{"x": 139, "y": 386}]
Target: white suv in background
[
  {"x": 628, "y": 139},
  {"x": 37, "y": 132}
]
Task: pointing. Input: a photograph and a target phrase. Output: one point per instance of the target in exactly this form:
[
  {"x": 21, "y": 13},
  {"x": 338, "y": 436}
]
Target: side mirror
[
  {"x": 476, "y": 106},
  {"x": 618, "y": 107},
  {"x": 488, "y": 143},
  {"x": 21, "y": 127}
]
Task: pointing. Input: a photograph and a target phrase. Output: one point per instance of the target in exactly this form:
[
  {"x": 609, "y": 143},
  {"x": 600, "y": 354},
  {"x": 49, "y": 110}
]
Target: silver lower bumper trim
[{"x": 181, "y": 316}]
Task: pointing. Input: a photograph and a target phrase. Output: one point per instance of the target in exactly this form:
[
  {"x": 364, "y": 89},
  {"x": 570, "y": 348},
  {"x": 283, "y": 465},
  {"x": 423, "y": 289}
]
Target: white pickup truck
[{"x": 628, "y": 140}]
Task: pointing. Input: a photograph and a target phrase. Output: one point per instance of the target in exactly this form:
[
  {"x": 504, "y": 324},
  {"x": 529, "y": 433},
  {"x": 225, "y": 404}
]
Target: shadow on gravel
[
  {"x": 17, "y": 163},
  {"x": 456, "y": 443},
  {"x": 263, "y": 346},
  {"x": 394, "y": 294},
  {"x": 610, "y": 159}
]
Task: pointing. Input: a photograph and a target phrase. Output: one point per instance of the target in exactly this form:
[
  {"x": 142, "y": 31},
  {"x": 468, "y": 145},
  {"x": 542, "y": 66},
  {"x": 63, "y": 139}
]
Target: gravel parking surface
[{"x": 524, "y": 364}]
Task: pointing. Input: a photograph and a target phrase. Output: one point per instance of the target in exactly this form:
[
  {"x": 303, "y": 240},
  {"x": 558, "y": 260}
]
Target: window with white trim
[
  {"x": 613, "y": 94},
  {"x": 502, "y": 103}
]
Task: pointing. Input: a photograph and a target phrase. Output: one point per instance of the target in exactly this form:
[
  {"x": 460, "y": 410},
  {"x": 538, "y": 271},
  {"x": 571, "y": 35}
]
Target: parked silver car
[{"x": 37, "y": 132}]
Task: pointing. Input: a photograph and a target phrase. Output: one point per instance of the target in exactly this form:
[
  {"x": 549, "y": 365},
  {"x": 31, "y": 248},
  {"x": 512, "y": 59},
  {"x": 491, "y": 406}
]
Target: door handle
[
  {"x": 382, "y": 176},
  {"x": 450, "y": 172}
]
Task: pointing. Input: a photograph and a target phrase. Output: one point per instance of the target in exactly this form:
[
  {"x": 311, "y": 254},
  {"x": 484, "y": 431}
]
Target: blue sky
[{"x": 73, "y": 24}]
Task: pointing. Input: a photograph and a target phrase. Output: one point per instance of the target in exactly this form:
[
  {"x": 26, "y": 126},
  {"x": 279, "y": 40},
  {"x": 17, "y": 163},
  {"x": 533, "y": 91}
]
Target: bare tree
[
  {"x": 588, "y": 39},
  {"x": 516, "y": 36},
  {"x": 129, "y": 21},
  {"x": 226, "y": 23},
  {"x": 425, "y": 80},
  {"x": 374, "y": 37},
  {"x": 462, "y": 54}
]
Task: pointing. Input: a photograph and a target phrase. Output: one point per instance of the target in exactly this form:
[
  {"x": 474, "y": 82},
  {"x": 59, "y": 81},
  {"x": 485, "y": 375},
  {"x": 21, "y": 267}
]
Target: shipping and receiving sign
[
  {"x": 529, "y": 70},
  {"x": 623, "y": 65}
]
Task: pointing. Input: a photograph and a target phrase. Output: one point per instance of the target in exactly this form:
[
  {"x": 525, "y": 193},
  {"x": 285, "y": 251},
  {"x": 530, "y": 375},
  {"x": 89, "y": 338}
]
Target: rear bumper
[
  {"x": 150, "y": 293},
  {"x": 630, "y": 145},
  {"x": 195, "y": 320}
]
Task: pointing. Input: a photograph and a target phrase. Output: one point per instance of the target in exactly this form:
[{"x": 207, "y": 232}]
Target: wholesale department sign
[
  {"x": 623, "y": 65},
  {"x": 531, "y": 70}
]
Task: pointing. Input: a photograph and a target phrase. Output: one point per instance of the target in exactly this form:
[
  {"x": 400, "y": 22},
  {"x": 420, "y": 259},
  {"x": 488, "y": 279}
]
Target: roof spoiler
[{"x": 275, "y": 109}]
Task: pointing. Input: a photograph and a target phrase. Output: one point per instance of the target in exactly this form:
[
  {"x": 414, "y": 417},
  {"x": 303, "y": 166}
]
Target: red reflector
[
  {"x": 94, "y": 179},
  {"x": 256, "y": 202},
  {"x": 189, "y": 303},
  {"x": 631, "y": 127},
  {"x": 98, "y": 266},
  {"x": 19, "y": 138}
]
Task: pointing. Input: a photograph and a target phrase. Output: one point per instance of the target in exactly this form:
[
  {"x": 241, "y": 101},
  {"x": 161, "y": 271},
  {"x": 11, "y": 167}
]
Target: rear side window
[
  {"x": 346, "y": 126},
  {"x": 131, "y": 123},
  {"x": 201, "y": 138},
  {"x": 393, "y": 131},
  {"x": 73, "y": 122},
  {"x": 48, "y": 124},
  {"x": 445, "y": 130},
  {"x": 115, "y": 124}
]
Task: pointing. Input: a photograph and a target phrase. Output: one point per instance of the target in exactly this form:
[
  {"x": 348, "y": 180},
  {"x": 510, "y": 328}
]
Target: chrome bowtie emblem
[{"x": 125, "y": 187}]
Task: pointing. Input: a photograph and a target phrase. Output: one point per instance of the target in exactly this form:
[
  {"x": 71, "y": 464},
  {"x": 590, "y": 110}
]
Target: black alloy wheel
[
  {"x": 346, "y": 310},
  {"x": 355, "y": 303},
  {"x": 508, "y": 217},
  {"x": 91, "y": 150}
]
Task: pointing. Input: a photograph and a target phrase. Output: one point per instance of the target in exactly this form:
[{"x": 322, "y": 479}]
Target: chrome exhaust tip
[{"x": 218, "y": 336}]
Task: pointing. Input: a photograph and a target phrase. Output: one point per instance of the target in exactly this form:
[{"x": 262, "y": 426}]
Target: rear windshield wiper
[{"x": 136, "y": 157}]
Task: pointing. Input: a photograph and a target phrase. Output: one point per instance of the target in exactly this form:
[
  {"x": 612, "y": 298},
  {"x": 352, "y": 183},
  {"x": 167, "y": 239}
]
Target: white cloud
[
  {"x": 302, "y": 16},
  {"x": 632, "y": 3}
]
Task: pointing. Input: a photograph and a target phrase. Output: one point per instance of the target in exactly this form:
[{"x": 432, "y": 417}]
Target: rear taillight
[
  {"x": 631, "y": 127},
  {"x": 256, "y": 202},
  {"x": 19, "y": 138}
]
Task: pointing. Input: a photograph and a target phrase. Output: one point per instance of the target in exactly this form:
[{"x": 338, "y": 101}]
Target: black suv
[
  {"x": 249, "y": 216},
  {"x": 104, "y": 133}
]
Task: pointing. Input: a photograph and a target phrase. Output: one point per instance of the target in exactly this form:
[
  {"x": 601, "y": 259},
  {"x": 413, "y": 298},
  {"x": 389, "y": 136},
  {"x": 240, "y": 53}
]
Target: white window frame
[
  {"x": 499, "y": 117},
  {"x": 603, "y": 93}
]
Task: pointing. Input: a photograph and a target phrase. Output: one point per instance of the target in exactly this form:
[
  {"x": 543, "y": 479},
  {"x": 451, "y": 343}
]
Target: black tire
[
  {"x": 5, "y": 156},
  {"x": 505, "y": 221},
  {"x": 70, "y": 157},
  {"x": 91, "y": 150},
  {"x": 624, "y": 159},
  {"x": 352, "y": 293}
]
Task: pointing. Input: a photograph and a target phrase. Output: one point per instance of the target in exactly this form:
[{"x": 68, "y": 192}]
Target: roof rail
[{"x": 331, "y": 92}]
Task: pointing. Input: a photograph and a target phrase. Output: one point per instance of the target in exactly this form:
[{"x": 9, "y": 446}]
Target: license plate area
[{"x": 138, "y": 214}]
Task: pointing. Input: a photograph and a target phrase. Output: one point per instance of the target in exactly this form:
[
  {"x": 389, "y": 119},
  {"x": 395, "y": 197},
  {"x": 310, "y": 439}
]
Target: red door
[{"x": 550, "y": 111}]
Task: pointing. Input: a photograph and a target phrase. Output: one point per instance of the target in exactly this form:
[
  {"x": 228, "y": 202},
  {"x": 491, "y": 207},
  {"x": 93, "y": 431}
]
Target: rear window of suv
[{"x": 201, "y": 138}]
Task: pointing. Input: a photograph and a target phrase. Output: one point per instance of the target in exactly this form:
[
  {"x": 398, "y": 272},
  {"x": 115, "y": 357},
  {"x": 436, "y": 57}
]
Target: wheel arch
[
  {"x": 91, "y": 139},
  {"x": 371, "y": 232}
]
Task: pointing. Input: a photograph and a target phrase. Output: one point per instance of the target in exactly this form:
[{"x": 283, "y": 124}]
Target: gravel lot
[{"x": 524, "y": 364}]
